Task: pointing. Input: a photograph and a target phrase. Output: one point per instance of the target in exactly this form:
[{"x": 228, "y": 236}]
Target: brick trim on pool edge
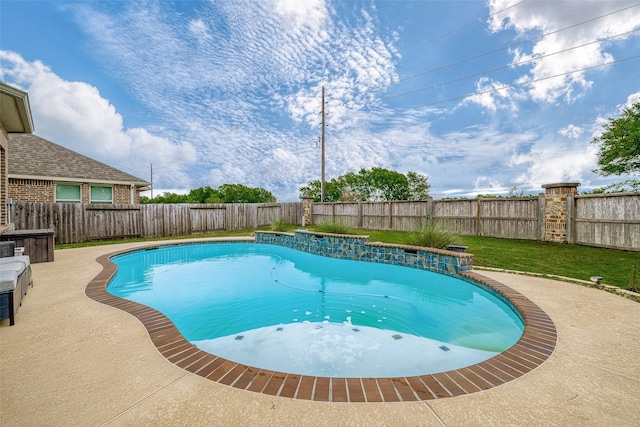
[{"x": 533, "y": 348}]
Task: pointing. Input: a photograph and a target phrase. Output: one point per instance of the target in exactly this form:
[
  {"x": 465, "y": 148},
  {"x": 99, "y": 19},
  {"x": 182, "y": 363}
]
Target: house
[
  {"x": 42, "y": 171},
  {"x": 15, "y": 117},
  {"x": 33, "y": 169}
]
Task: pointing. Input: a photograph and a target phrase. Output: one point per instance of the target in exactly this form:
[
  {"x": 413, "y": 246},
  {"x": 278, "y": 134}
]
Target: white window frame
[
  {"x": 68, "y": 184},
  {"x": 107, "y": 202}
]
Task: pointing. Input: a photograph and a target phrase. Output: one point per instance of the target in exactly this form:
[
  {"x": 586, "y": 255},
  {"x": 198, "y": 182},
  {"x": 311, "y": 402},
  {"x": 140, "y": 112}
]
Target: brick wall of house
[
  {"x": 31, "y": 190},
  {"x": 121, "y": 194},
  {"x": 34, "y": 190}
]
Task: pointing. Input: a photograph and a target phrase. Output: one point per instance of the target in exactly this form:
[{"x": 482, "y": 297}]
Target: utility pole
[
  {"x": 151, "y": 181},
  {"x": 322, "y": 183}
]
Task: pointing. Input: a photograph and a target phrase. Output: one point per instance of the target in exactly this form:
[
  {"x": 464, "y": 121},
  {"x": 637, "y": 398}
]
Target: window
[
  {"x": 68, "y": 193},
  {"x": 101, "y": 194}
]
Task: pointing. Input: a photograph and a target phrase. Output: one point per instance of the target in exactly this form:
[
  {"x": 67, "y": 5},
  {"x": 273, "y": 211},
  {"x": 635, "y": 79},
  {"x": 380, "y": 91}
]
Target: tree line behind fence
[{"x": 608, "y": 220}]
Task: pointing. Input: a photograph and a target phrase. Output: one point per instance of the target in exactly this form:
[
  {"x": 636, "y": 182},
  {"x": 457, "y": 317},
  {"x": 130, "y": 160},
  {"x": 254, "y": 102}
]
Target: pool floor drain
[
  {"x": 279, "y": 329},
  {"x": 444, "y": 348},
  {"x": 396, "y": 337},
  {"x": 239, "y": 337}
]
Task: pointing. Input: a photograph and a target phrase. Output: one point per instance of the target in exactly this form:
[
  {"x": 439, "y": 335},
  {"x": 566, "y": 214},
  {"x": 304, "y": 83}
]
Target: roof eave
[{"x": 17, "y": 105}]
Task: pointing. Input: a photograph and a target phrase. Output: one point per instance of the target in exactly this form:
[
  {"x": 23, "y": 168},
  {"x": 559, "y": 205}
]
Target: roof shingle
[{"x": 31, "y": 155}]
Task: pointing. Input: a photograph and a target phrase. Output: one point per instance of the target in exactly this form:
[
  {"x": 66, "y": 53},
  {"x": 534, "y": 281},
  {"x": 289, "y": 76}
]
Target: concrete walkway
[{"x": 71, "y": 361}]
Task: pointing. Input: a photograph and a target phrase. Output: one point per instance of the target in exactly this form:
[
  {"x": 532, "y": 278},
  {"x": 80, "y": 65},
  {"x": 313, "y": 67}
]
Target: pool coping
[{"x": 534, "y": 347}]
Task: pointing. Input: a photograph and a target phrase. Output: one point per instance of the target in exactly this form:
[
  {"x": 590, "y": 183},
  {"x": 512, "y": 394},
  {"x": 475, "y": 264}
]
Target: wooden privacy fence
[
  {"x": 75, "y": 223},
  {"x": 509, "y": 218},
  {"x": 512, "y": 218},
  {"x": 607, "y": 220}
]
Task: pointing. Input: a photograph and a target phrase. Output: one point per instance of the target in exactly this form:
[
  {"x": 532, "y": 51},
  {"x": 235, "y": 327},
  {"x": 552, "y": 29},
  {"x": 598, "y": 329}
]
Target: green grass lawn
[{"x": 573, "y": 261}]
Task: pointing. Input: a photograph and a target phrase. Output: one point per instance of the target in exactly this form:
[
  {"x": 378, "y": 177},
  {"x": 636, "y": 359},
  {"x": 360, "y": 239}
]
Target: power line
[
  {"x": 506, "y": 47},
  {"x": 482, "y": 92},
  {"x": 482, "y": 73},
  {"x": 473, "y": 22}
]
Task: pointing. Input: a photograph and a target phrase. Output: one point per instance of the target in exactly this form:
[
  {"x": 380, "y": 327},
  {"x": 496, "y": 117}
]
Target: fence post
[
  {"x": 307, "y": 210},
  {"x": 571, "y": 216},
  {"x": 541, "y": 211},
  {"x": 478, "y": 217},
  {"x": 359, "y": 214},
  {"x": 556, "y": 210}
]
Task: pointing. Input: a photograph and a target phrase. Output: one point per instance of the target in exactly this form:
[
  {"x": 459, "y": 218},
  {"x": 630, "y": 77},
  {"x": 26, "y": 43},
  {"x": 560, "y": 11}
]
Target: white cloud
[
  {"x": 571, "y": 131},
  {"x": 200, "y": 30},
  {"x": 634, "y": 98},
  {"x": 308, "y": 13},
  {"x": 487, "y": 185},
  {"x": 257, "y": 67},
  {"x": 550, "y": 163},
  {"x": 75, "y": 115},
  {"x": 491, "y": 95},
  {"x": 535, "y": 18},
  {"x": 231, "y": 94}
]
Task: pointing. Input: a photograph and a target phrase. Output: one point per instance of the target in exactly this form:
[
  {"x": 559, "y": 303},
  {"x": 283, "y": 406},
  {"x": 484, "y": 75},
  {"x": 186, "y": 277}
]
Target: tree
[
  {"x": 168, "y": 197},
  {"x": 204, "y": 195},
  {"x": 226, "y": 193},
  {"x": 620, "y": 144},
  {"x": 238, "y": 193},
  {"x": 629, "y": 185},
  {"x": 312, "y": 189},
  {"x": 418, "y": 186},
  {"x": 334, "y": 190},
  {"x": 370, "y": 184},
  {"x": 383, "y": 184}
]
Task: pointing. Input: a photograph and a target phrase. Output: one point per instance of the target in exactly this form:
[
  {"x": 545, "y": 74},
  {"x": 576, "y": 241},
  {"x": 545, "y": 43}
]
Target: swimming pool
[
  {"x": 535, "y": 346},
  {"x": 280, "y": 309}
]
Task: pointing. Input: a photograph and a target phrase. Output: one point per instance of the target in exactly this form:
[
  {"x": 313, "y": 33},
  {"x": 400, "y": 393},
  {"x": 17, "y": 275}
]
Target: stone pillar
[
  {"x": 306, "y": 207},
  {"x": 556, "y": 210}
]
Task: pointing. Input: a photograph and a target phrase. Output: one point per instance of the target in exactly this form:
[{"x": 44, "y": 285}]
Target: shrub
[
  {"x": 333, "y": 226},
  {"x": 279, "y": 224},
  {"x": 432, "y": 234}
]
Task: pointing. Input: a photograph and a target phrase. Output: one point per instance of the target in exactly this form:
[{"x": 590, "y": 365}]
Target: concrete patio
[{"x": 69, "y": 360}]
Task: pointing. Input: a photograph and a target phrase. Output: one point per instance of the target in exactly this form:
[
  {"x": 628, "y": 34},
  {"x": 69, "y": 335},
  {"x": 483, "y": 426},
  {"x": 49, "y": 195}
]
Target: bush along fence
[{"x": 558, "y": 215}]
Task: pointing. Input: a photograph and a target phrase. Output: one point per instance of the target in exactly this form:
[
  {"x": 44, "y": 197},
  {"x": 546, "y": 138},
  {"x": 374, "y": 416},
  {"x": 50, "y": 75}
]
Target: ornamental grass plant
[
  {"x": 279, "y": 224},
  {"x": 432, "y": 234},
  {"x": 334, "y": 227}
]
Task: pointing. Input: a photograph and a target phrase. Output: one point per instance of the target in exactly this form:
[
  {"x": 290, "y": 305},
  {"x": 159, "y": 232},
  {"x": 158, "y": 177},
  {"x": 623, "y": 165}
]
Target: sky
[{"x": 482, "y": 97}]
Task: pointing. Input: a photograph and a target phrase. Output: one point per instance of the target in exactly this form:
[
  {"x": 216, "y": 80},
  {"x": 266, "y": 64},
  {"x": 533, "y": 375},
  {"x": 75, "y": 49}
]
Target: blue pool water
[{"x": 277, "y": 308}]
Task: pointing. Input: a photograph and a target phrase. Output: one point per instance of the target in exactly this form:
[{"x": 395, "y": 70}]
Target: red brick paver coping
[{"x": 534, "y": 347}]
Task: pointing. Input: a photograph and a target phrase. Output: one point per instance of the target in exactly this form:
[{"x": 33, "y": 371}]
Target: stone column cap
[{"x": 561, "y": 184}]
